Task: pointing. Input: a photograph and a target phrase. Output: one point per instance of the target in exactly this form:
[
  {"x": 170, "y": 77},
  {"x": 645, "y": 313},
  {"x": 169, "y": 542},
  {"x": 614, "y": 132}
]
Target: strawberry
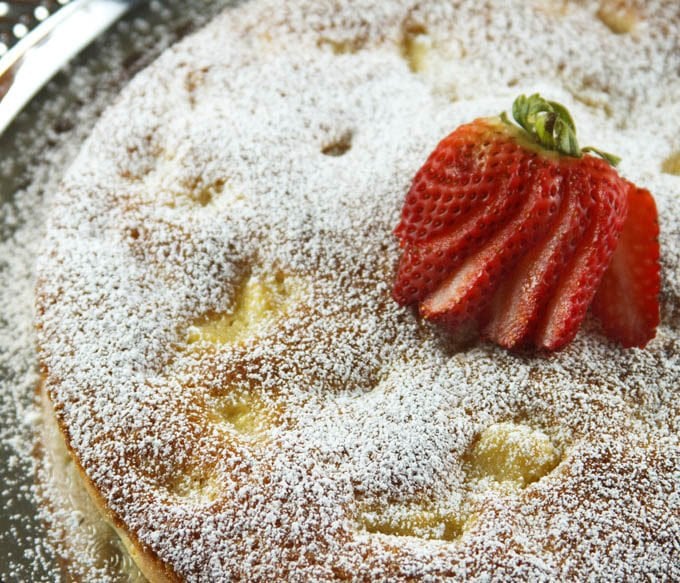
[
  {"x": 445, "y": 225},
  {"x": 467, "y": 290},
  {"x": 523, "y": 295},
  {"x": 515, "y": 229},
  {"x": 468, "y": 162},
  {"x": 594, "y": 180},
  {"x": 626, "y": 302}
]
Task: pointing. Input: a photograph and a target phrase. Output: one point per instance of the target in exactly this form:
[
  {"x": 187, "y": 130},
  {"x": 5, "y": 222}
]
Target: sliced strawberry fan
[{"x": 520, "y": 230}]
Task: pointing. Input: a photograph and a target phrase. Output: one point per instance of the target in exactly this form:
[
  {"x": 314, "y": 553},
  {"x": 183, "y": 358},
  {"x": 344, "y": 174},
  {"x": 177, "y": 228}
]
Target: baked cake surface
[{"x": 218, "y": 338}]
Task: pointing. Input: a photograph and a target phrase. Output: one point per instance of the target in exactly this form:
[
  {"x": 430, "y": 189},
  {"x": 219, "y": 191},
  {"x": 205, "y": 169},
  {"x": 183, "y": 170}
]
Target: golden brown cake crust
[{"x": 218, "y": 337}]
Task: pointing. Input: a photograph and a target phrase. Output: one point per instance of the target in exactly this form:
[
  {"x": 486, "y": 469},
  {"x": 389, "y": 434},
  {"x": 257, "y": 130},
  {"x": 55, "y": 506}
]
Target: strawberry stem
[
  {"x": 550, "y": 124},
  {"x": 611, "y": 158}
]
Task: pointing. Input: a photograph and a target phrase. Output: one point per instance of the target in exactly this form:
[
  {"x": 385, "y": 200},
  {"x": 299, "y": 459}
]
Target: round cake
[{"x": 218, "y": 340}]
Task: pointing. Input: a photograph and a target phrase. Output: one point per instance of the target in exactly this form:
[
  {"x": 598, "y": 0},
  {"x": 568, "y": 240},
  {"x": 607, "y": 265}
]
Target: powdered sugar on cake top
[{"x": 215, "y": 165}]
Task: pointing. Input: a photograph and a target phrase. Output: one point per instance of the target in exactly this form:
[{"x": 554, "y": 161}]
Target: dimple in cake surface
[{"x": 224, "y": 357}]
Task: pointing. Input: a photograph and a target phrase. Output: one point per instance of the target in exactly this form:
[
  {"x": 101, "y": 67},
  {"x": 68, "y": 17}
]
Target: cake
[{"x": 218, "y": 341}]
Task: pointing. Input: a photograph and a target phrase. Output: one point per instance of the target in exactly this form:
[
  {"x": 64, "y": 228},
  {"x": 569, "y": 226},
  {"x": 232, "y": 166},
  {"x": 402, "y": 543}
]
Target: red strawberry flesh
[
  {"x": 426, "y": 265},
  {"x": 626, "y": 302},
  {"x": 475, "y": 164},
  {"x": 468, "y": 289},
  {"x": 492, "y": 191},
  {"x": 589, "y": 179},
  {"x": 522, "y": 296}
]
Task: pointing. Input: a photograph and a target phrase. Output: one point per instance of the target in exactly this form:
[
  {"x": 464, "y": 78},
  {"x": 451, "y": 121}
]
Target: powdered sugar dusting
[{"x": 214, "y": 167}]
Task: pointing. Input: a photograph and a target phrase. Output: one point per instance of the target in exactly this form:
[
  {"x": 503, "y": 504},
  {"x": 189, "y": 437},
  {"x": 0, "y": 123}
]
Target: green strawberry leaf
[{"x": 550, "y": 124}]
